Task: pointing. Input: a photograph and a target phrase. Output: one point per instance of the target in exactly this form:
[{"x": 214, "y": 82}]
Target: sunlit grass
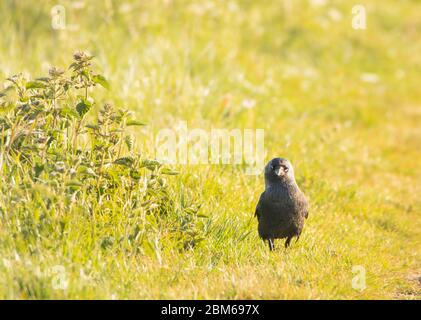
[{"x": 343, "y": 105}]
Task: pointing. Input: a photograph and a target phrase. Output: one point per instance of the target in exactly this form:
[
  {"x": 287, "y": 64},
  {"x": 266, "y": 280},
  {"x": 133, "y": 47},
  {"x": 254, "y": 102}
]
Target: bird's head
[{"x": 279, "y": 169}]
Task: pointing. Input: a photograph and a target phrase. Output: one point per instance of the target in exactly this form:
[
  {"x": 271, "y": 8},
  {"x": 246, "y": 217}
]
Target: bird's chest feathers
[{"x": 280, "y": 197}]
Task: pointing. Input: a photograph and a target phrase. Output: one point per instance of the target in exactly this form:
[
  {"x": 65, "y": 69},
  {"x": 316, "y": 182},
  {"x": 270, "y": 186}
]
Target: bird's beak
[{"x": 279, "y": 172}]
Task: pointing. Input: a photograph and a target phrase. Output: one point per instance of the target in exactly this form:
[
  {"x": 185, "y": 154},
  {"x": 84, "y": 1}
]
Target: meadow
[{"x": 87, "y": 213}]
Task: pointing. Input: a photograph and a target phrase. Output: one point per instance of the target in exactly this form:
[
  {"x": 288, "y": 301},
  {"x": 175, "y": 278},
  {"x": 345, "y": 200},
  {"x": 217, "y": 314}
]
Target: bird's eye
[{"x": 285, "y": 168}]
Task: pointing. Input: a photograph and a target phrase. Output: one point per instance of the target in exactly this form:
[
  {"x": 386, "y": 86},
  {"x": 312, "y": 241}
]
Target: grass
[{"x": 353, "y": 138}]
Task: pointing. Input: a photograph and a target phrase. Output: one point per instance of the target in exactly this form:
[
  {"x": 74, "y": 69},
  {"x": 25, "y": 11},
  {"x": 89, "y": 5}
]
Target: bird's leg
[
  {"x": 287, "y": 242},
  {"x": 271, "y": 245}
]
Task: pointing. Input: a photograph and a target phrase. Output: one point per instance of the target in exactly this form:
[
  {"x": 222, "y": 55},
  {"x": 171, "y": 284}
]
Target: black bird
[{"x": 282, "y": 207}]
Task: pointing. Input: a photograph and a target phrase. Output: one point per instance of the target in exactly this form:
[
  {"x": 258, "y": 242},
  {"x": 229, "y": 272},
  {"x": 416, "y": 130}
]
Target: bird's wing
[
  {"x": 259, "y": 206},
  {"x": 303, "y": 204}
]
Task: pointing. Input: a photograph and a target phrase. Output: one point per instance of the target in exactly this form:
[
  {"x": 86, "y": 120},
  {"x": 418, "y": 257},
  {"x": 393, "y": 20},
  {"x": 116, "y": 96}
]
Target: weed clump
[{"x": 69, "y": 175}]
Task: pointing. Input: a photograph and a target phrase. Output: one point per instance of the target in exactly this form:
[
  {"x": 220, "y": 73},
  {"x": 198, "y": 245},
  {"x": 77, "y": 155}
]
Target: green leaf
[
  {"x": 4, "y": 91},
  {"x": 135, "y": 174},
  {"x": 134, "y": 123},
  {"x": 74, "y": 183},
  {"x": 38, "y": 168},
  {"x": 169, "y": 172},
  {"x": 92, "y": 126},
  {"x": 129, "y": 142},
  {"x": 34, "y": 85},
  {"x": 83, "y": 107},
  {"x": 44, "y": 79},
  {"x": 150, "y": 163},
  {"x": 67, "y": 112},
  {"x": 107, "y": 242},
  {"x": 85, "y": 73},
  {"x": 7, "y": 89},
  {"x": 100, "y": 79},
  {"x": 73, "y": 65},
  {"x": 86, "y": 170},
  {"x": 125, "y": 161}
]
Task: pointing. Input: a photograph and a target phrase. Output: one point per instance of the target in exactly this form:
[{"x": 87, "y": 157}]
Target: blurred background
[{"x": 343, "y": 104}]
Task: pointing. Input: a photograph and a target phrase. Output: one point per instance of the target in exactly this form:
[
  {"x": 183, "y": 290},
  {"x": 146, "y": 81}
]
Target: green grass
[{"x": 355, "y": 146}]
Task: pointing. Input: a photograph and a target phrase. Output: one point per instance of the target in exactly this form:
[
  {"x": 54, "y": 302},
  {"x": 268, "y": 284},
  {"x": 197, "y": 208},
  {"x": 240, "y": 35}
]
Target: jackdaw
[{"x": 282, "y": 207}]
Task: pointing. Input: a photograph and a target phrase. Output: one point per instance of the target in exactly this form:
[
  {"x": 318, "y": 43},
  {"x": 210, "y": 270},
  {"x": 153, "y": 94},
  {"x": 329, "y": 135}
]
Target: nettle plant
[{"x": 56, "y": 158}]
